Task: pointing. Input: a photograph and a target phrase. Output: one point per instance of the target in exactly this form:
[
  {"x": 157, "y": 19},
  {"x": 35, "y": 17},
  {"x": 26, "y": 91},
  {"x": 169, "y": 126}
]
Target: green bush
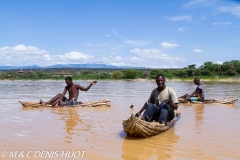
[
  {"x": 117, "y": 75},
  {"x": 206, "y": 72},
  {"x": 129, "y": 73},
  {"x": 230, "y": 72},
  {"x": 154, "y": 73}
]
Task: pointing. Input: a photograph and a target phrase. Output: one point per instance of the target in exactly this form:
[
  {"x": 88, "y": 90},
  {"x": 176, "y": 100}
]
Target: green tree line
[{"x": 208, "y": 69}]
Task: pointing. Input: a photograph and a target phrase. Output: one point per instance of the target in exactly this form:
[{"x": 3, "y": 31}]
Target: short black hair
[
  {"x": 160, "y": 75},
  {"x": 196, "y": 79},
  {"x": 68, "y": 78}
]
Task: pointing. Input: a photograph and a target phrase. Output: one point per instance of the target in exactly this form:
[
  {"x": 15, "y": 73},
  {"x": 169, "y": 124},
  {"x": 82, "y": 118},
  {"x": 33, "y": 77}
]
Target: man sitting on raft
[
  {"x": 73, "y": 91},
  {"x": 160, "y": 105},
  {"x": 197, "y": 95}
]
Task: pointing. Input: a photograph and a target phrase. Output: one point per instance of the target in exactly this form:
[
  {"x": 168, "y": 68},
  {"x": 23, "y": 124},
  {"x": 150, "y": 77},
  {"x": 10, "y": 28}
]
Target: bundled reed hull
[
  {"x": 226, "y": 100},
  {"x": 100, "y": 103},
  {"x": 136, "y": 127}
]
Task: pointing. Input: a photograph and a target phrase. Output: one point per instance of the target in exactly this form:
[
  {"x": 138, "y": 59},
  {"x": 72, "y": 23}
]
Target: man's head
[
  {"x": 196, "y": 81},
  {"x": 68, "y": 80},
  {"x": 160, "y": 80}
]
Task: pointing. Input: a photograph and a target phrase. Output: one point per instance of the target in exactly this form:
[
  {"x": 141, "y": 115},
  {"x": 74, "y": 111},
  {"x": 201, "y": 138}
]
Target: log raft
[
  {"x": 100, "y": 103},
  {"x": 226, "y": 100}
]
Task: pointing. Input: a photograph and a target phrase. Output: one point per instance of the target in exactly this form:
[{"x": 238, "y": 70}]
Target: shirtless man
[
  {"x": 197, "y": 95},
  {"x": 73, "y": 90}
]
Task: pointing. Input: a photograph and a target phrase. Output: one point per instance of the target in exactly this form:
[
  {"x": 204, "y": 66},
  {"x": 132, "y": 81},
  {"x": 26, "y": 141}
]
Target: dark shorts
[{"x": 68, "y": 102}]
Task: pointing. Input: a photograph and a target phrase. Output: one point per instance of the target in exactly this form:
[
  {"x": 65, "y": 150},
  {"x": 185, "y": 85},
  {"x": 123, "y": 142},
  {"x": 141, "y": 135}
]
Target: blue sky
[{"x": 149, "y": 33}]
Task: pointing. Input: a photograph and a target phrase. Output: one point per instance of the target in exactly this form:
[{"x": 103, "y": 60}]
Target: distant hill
[
  {"x": 81, "y": 66},
  {"x": 67, "y": 66}
]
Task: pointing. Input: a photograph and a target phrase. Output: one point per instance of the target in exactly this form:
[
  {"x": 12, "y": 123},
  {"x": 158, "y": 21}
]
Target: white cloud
[
  {"x": 222, "y": 23},
  {"x": 179, "y": 59},
  {"x": 147, "y": 53},
  {"x": 191, "y": 3},
  {"x": 70, "y": 58},
  {"x": 197, "y": 50},
  {"x": 22, "y": 49},
  {"x": 130, "y": 42},
  {"x": 119, "y": 64},
  {"x": 181, "y": 29},
  {"x": 97, "y": 45},
  {"x": 108, "y": 35},
  {"x": 135, "y": 58},
  {"x": 198, "y": 64},
  {"x": 118, "y": 58},
  {"x": 200, "y": 2},
  {"x": 174, "y": 67},
  {"x": 8, "y": 57},
  {"x": 180, "y": 18},
  {"x": 23, "y": 56},
  {"x": 75, "y": 56},
  {"x": 166, "y": 45},
  {"x": 154, "y": 54},
  {"x": 219, "y": 62},
  {"x": 136, "y": 43},
  {"x": 233, "y": 9},
  {"x": 47, "y": 57}
]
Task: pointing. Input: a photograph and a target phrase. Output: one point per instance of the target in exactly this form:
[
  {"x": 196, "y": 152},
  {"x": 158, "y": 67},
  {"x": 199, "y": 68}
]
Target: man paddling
[
  {"x": 197, "y": 95},
  {"x": 72, "y": 90},
  {"x": 160, "y": 105}
]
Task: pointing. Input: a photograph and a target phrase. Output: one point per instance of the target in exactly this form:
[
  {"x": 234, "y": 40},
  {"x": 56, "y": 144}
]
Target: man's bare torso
[{"x": 73, "y": 91}]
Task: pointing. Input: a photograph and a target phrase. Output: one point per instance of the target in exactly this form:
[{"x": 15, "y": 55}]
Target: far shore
[
  {"x": 210, "y": 80},
  {"x": 237, "y": 80},
  {"x": 229, "y": 80}
]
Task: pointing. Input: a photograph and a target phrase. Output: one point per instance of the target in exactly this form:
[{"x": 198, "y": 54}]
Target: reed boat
[
  {"x": 99, "y": 103},
  {"x": 134, "y": 126},
  {"x": 226, "y": 100}
]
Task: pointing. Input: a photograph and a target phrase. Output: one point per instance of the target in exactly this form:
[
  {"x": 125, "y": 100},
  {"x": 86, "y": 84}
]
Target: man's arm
[
  {"x": 140, "y": 112},
  {"x": 173, "y": 105},
  {"x": 173, "y": 101},
  {"x": 193, "y": 93},
  {"x": 188, "y": 96},
  {"x": 62, "y": 95},
  {"x": 86, "y": 89},
  {"x": 150, "y": 100}
]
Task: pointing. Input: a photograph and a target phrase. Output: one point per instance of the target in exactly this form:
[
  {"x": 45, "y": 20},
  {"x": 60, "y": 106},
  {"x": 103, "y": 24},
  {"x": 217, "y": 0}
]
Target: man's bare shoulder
[
  {"x": 78, "y": 86},
  {"x": 66, "y": 88}
]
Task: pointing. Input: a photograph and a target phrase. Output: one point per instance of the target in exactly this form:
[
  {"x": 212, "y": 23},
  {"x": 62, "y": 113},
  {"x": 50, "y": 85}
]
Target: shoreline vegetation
[
  {"x": 209, "y": 72},
  {"x": 213, "y": 79}
]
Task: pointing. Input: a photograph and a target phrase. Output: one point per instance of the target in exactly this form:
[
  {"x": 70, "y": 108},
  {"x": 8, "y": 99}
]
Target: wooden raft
[
  {"x": 136, "y": 127},
  {"x": 226, "y": 100},
  {"x": 100, "y": 103}
]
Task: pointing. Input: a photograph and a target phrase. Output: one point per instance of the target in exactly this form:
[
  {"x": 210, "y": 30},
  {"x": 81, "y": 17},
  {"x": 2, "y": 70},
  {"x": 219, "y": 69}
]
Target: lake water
[{"x": 209, "y": 131}]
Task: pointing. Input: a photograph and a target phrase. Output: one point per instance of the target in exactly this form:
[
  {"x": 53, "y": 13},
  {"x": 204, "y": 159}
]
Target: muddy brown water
[{"x": 209, "y": 131}]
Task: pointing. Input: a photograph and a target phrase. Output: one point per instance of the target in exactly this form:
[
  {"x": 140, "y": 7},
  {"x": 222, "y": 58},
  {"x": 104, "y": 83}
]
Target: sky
[{"x": 134, "y": 33}]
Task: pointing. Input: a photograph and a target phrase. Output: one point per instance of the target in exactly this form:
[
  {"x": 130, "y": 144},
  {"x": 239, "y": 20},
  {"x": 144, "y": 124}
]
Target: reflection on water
[
  {"x": 209, "y": 131},
  {"x": 199, "y": 113},
  {"x": 156, "y": 147},
  {"x": 71, "y": 119}
]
